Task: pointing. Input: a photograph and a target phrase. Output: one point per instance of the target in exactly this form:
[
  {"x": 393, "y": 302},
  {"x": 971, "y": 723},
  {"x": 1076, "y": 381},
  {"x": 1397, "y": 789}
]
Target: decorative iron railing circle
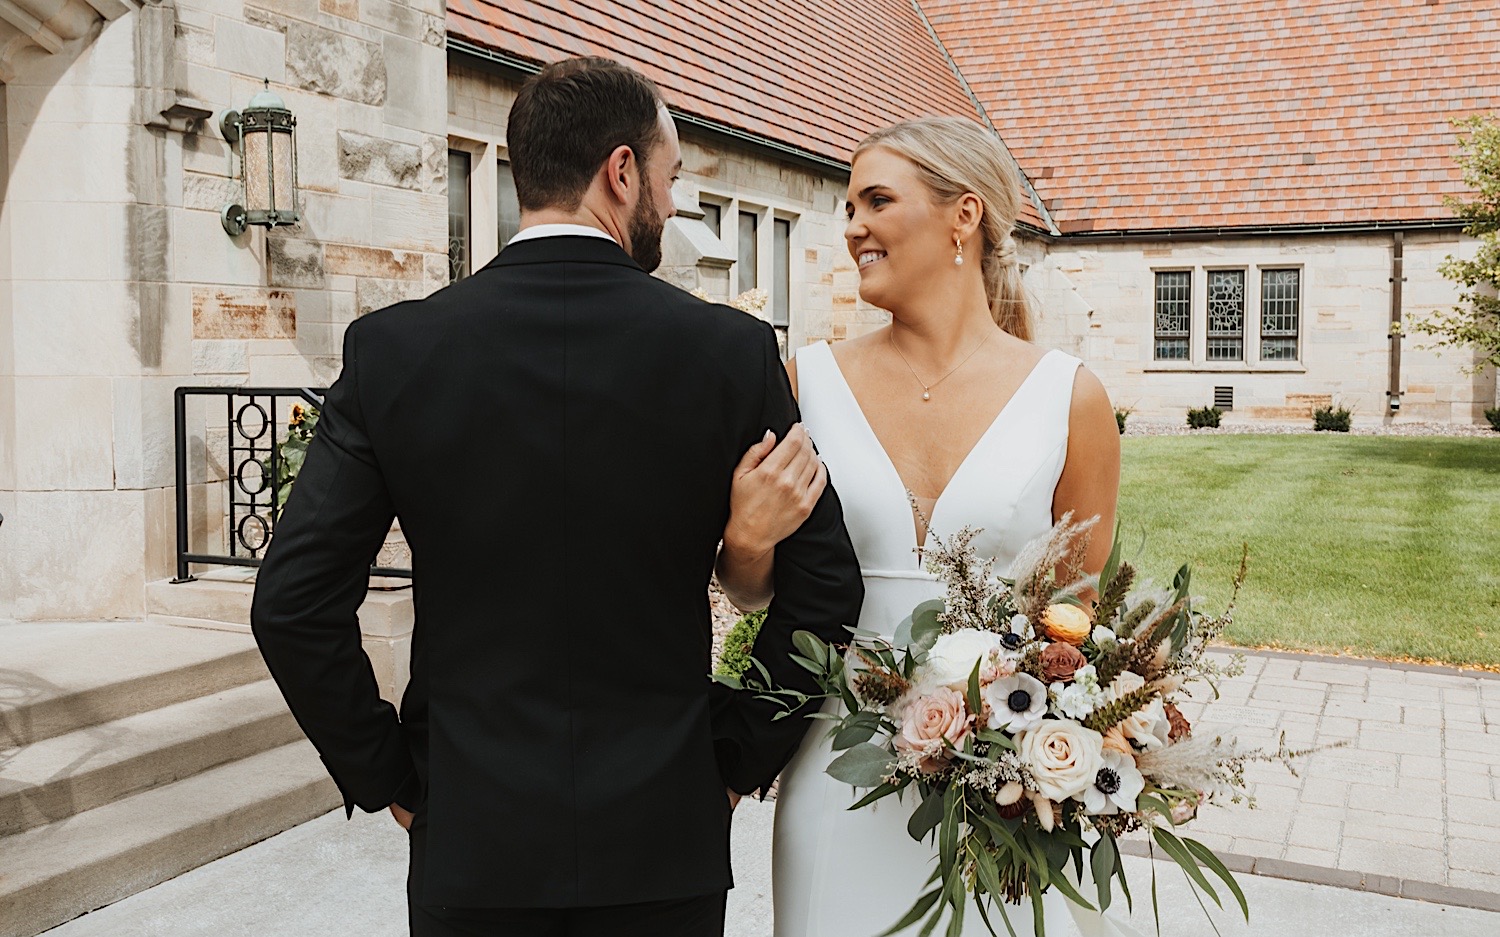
[
  {"x": 260, "y": 471},
  {"x": 264, "y": 530},
  {"x": 239, "y": 421}
]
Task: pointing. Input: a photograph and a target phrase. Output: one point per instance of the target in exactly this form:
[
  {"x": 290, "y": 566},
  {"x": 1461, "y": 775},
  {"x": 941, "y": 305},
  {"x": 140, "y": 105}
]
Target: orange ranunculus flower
[{"x": 1067, "y": 623}]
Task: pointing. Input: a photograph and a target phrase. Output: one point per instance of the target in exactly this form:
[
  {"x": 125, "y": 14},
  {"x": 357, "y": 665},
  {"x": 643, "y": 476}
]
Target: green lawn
[{"x": 1375, "y": 546}]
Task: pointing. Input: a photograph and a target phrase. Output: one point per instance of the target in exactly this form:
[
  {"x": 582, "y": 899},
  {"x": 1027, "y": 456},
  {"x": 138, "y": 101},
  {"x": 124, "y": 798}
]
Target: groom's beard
[{"x": 645, "y": 233}]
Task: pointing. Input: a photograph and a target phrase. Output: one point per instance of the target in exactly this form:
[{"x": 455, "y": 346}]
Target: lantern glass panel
[
  {"x": 257, "y": 172},
  {"x": 283, "y": 192}
]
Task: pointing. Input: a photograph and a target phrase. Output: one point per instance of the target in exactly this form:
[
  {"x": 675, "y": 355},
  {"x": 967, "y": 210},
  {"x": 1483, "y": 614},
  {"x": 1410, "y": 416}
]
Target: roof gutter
[
  {"x": 1274, "y": 230},
  {"x": 472, "y": 55}
]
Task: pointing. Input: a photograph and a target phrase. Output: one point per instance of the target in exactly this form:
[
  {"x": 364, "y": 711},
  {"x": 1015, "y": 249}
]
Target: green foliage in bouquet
[
  {"x": 1121, "y": 415},
  {"x": 735, "y": 659},
  {"x": 1331, "y": 419},
  {"x": 1493, "y": 415},
  {"x": 1204, "y": 417},
  {"x": 291, "y": 452},
  {"x": 1054, "y": 722}
]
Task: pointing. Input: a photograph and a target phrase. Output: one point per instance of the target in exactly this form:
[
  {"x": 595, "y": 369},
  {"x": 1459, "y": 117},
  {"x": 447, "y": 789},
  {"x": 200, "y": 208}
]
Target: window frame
[
  {"x": 1297, "y": 317},
  {"x": 1157, "y": 335},
  {"x": 1209, "y": 333}
]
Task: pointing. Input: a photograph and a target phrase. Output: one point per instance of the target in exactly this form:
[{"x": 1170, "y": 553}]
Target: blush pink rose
[{"x": 929, "y": 719}]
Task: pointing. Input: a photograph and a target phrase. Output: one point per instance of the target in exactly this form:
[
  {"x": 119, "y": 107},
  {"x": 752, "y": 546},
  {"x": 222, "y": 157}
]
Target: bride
[{"x": 950, "y": 410}]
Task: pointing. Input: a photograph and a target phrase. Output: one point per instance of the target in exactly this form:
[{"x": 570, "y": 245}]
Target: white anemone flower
[
  {"x": 1116, "y": 785},
  {"x": 1017, "y": 702}
]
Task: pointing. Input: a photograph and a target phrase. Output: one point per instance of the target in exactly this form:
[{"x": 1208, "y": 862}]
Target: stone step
[
  {"x": 56, "y": 872},
  {"x": 219, "y": 600},
  {"x": 55, "y": 778},
  {"x": 64, "y": 676}
]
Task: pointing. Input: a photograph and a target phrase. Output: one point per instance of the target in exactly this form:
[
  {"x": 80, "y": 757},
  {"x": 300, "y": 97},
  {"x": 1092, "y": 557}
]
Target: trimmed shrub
[
  {"x": 1493, "y": 415},
  {"x": 1204, "y": 417},
  {"x": 1331, "y": 419},
  {"x": 735, "y": 658},
  {"x": 1121, "y": 416}
]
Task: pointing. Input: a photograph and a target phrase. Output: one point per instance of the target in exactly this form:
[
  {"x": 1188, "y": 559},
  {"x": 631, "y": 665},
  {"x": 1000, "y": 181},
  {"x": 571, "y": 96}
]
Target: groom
[{"x": 557, "y": 434}]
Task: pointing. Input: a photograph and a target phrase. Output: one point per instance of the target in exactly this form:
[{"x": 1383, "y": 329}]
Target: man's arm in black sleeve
[
  {"x": 307, "y": 595},
  {"x": 818, "y": 589}
]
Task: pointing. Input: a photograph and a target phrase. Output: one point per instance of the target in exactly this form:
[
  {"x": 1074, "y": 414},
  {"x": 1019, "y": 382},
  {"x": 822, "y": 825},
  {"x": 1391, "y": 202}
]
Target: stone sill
[{"x": 1224, "y": 369}]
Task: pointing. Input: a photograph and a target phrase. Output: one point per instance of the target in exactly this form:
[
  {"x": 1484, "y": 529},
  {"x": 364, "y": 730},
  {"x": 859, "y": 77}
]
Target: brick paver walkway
[{"x": 1414, "y": 794}]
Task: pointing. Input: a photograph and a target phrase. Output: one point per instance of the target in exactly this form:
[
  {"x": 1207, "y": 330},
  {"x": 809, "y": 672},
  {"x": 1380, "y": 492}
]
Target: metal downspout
[{"x": 1393, "y": 393}]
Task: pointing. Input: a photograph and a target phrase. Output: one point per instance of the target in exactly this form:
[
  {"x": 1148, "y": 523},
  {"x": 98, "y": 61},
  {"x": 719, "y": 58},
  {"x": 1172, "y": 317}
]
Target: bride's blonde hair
[{"x": 954, "y": 156}]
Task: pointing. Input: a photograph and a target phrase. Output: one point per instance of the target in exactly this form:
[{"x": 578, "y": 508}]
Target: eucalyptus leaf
[
  {"x": 902, "y": 637},
  {"x": 732, "y": 682},
  {"x": 996, "y": 737},
  {"x": 926, "y": 817},
  {"x": 976, "y": 702},
  {"x": 808, "y": 644},
  {"x": 948, "y": 832},
  {"x": 1217, "y": 866},
  {"x": 1173, "y": 847},
  {"x": 884, "y": 790},
  {"x": 864, "y": 765},
  {"x": 856, "y": 730},
  {"x": 1102, "y": 864},
  {"x": 917, "y": 912}
]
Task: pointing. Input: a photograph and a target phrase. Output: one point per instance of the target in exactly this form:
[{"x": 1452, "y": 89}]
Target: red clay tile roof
[
  {"x": 1158, "y": 114},
  {"x": 818, "y": 75}
]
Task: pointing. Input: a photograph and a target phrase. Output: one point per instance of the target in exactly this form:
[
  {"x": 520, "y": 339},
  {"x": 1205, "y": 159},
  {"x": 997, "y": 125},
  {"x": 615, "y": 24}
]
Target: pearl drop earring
[{"x": 958, "y": 259}]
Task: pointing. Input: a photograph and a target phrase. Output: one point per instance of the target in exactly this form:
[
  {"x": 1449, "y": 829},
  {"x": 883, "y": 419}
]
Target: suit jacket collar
[{"x": 564, "y": 249}]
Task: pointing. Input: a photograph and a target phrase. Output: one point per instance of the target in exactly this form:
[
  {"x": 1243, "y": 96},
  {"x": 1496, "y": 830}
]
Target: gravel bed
[{"x": 1142, "y": 427}]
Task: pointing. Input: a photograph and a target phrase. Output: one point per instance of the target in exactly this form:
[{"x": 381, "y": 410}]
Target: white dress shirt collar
[{"x": 558, "y": 230}]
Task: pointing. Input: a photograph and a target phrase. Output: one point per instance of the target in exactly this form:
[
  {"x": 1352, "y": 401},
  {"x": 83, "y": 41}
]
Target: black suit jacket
[{"x": 557, "y": 434}]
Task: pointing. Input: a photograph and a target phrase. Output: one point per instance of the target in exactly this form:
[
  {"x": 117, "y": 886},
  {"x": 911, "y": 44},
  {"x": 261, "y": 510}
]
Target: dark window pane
[
  {"x": 1280, "y": 312},
  {"x": 458, "y": 215},
  {"x": 749, "y": 250},
  {"x": 509, "y": 208},
  {"x": 1226, "y": 315},
  {"x": 713, "y": 217},
  {"x": 1174, "y": 315},
  {"x": 782, "y": 296}
]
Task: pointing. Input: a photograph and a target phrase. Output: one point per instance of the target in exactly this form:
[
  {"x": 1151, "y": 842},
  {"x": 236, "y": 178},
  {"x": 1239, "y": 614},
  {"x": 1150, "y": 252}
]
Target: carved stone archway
[{"x": 49, "y": 24}]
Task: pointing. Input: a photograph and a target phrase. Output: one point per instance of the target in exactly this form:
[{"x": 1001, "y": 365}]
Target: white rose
[
  {"x": 1148, "y": 729},
  {"x": 953, "y": 657},
  {"x": 1125, "y": 683},
  {"x": 1063, "y": 757}
]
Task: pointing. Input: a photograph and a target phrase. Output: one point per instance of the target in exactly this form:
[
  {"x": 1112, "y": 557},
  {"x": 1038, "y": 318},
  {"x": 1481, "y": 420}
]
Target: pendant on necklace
[{"x": 926, "y": 395}]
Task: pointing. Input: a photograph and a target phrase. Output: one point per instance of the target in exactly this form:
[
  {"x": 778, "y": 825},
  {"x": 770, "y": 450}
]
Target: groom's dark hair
[{"x": 566, "y": 121}]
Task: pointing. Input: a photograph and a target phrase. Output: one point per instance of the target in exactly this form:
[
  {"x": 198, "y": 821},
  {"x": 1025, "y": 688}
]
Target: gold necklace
[{"x": 926, "y": 387}]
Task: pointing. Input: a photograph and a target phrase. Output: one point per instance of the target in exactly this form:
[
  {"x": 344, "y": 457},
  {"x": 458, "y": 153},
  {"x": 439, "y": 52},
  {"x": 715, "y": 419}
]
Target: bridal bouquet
[{"x": 1023, "y": 720}]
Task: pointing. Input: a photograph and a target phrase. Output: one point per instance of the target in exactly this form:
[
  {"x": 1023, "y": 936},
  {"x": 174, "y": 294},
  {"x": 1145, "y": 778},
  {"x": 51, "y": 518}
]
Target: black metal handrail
[{"x": 254, "y": 420}]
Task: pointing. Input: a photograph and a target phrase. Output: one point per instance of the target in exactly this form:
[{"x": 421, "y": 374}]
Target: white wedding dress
[{"x": 839, "y": 873}]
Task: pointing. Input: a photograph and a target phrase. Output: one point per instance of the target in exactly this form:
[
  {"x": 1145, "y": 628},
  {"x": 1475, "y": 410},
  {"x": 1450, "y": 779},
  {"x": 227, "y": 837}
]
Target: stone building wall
[
  {"x": 823, "y": 279},
  {"x": 118, "y": 284},
  {"x": 1097, "y": 302}
]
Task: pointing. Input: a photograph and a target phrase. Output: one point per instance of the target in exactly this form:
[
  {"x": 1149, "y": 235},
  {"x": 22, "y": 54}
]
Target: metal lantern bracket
[{"x": 266, "y": 114}]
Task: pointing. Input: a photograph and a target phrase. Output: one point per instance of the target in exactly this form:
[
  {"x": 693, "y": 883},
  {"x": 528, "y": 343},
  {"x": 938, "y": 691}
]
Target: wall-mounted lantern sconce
[{"x": 264, "y": 135}]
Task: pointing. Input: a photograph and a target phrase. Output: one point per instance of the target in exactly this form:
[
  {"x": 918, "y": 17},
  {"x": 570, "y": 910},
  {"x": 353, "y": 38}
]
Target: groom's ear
[{"x": 622, "y": 173}]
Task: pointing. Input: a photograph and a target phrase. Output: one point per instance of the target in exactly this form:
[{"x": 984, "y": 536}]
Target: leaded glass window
[
  {"x": 458, "y": 215},
  {"x": 1280, "y": 314},
  {"x": 1226, "y": 315},
  {"x": 1174, "y": 315},
  {"x": 749, "y": 250},
  {"x": 508, "y": 209}
]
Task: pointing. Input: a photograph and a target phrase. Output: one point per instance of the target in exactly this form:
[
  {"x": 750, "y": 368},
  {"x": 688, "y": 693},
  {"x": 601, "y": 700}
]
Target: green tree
[{"x": 1476, "y": 323}]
